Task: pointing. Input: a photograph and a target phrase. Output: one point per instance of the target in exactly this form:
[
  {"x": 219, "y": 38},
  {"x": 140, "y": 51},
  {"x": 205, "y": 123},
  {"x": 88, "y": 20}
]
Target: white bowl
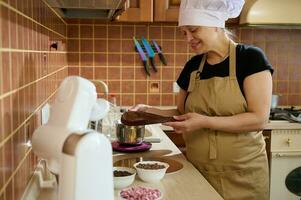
[
  {"x": 151, "y": 175},
  {"x": 124, "y": 181}
]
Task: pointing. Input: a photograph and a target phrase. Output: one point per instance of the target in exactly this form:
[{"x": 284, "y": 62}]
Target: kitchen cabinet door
[
  {"x": 166, "y": 10},
  {"x": 138, "y": 11}
]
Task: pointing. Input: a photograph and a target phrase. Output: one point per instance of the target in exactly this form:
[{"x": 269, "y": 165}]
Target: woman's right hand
[{"x": 139, "y": 107}]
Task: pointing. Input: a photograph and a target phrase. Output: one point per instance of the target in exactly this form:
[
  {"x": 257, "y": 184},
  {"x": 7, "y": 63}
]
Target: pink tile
[
  {"x": 127, "y": 100},
  {"x": 7, "y": 116},
  {"x": 167, "y": 100},
  {"x": 4, "y": 27},
  {"x": 155, "y": 32},
  {"x": 127, "y": 31},
  {"x": 73, "y": 71},
  {"x": 86, "y": 59},
  {"x": 2, "y": 167},
  {"x": 114, "y": 59},
  {"x": 114, "y": 45},
  {"x": 100, "y": 45},
  {"x": 140, "y": 86},
  {"x": 6, "y": 72},
  {"x": 127, "y": 86},
  {"x": 128, "y": 46},
  {"x": 154, "y": 99},
  {"x": 100, "y": 59},
  {"x": 15, "y": 110},
  {"x": 114, "y": 73},
  {"x": 114, "y": 86},
  {"x": 100, "y": 31},
  {"x": 167, "y": 86},
  {"x": 86, "y": 31},
  {"x": 127, "y": 73},
  {"x": 168, "y": 32},
  {"x": 86, "y": 72},
  {"x": 141, "y": 99},
  {"x": 141, "y": 31},
  {"x": 73, "y": 31},
  {"x": 13, "y": 29},
  {"x": 86, "y": 45},
  {"x": 114, "y": 31},
  {"x": 167, "y": 73},
  {"x": 100, "y": 73},
  {"x": 8, "y": 162}
]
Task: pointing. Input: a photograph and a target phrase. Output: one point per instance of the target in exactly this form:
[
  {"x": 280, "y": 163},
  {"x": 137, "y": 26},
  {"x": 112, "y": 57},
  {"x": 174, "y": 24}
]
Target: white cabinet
[{"x": 285, "y": 157}]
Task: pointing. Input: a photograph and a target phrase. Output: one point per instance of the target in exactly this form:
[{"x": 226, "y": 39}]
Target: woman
[{"x": 223, "y": 103}]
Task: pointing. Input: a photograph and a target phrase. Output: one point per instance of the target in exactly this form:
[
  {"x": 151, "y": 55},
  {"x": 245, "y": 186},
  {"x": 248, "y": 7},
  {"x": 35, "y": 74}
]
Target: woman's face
[{"x": 199, "y": 38}]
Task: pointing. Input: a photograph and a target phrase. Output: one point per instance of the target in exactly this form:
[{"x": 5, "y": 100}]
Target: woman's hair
[{"x": 229, "y": 33}]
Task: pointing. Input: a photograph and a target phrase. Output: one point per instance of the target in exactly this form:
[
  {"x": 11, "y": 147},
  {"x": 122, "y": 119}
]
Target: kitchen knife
[
  {"x": 142, "y": 55},
  {"x": 160, "y": 53},
  {"x": 150, "y": 52}
]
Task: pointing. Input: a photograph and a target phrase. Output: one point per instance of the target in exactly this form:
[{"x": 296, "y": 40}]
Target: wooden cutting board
[{"x": 138, "y": 118}]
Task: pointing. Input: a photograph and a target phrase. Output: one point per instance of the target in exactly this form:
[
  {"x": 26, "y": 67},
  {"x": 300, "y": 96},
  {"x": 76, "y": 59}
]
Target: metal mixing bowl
[{"x": 129, "y": 135}]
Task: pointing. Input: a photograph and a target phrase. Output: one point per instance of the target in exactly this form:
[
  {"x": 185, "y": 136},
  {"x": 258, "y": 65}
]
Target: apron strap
[
  {"x": 196, "y": 74},
  {"x": 232, "y": 60}
]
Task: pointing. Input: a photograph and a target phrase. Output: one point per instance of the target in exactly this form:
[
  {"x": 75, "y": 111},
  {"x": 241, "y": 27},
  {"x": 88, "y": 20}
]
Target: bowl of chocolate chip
[
  {"x": 123, "y": 177},
  {"x": 151, "y": 171}
]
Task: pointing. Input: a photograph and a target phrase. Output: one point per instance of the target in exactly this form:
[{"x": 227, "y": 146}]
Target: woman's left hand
[{"x": 187, "y": 122}]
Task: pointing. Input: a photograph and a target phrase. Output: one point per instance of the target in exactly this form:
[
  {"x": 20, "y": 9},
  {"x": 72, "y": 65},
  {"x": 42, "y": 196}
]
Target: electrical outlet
[
  {"x": 45, "y": 112},
  {"x": 154, "y": 87},
  {"x": 175, "y": 87}
]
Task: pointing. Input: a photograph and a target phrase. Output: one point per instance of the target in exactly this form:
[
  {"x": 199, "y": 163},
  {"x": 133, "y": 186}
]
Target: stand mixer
[{"x": 81, "y": 157}]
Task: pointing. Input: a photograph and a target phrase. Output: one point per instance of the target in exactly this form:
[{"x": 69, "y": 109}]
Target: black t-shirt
[{"x": 249, "y": 60}]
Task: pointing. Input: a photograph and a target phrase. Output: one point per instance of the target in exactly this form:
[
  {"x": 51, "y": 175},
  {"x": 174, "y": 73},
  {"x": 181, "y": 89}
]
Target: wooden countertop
[
  {"x": 272, "y": 125},
  {"x": 187, "y": 183}
]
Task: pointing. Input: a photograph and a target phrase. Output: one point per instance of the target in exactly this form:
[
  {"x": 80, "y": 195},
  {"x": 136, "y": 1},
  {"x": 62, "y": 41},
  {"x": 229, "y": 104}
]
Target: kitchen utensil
[
  {"x": 274, "y": 101},
  {"x": 160, "y": 53},
  {"x": 174, "y": 165},
  {"x": 144, "y": 146},
  {"x": 129, "y": 135},
  {"x": 150, "y": 52},
  {"x": 136, "y": 118},
  {"x": 142, "y": 55},
  {"x": 70, "y": 149}
]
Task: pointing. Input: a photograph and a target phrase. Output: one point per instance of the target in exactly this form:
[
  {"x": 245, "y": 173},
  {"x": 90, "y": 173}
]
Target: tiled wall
[
  {"x": 30, "y": 71},
  {"x": 106, "y": 52},
  {"x": 283, "y": 49},
  {"x": 29, "y": 75}
]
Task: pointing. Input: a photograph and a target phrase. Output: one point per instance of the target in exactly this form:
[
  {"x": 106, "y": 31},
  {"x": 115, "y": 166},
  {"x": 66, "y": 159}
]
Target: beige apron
[{"x": 235, "y": 164}]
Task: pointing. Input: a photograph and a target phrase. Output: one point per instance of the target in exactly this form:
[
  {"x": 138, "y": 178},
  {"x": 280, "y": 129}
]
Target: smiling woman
[{"x": 220, "y": 107}]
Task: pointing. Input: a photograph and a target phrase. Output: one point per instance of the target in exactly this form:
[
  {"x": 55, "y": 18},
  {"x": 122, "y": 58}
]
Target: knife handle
[
  {"x": 152, "y": 61},
  {"x": 146, "y": 68},
  {"x": 162, "y": 58}
]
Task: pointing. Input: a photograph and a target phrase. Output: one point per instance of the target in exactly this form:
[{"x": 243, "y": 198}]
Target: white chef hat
[{"x": 212, "y": 13}]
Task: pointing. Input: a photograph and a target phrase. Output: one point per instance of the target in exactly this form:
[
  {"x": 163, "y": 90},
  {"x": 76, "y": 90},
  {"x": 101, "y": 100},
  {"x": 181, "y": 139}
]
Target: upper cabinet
[
  {"x": 155, "y": 11},
  {"x": 138, "y": 11},
  {"x": 167, "y": 10}
]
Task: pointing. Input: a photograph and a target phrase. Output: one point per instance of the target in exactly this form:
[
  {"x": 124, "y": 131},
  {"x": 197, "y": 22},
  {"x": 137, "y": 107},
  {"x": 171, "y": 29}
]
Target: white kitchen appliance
[
  {"x": 285, "y": 157},
  {"x": 82, "y": 158}
]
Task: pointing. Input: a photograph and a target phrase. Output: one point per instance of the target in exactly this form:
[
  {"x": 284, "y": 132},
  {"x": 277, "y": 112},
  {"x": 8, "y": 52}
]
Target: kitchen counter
[
  {"x": 272, "y": 125},
  {"x": 186, "y": 183}
]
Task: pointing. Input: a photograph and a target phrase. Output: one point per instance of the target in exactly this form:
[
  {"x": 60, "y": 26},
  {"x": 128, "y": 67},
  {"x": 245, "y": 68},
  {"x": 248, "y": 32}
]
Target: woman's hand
[
  {"x": 139, "y": 107},
  {"x": 187, "y": 122}
]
